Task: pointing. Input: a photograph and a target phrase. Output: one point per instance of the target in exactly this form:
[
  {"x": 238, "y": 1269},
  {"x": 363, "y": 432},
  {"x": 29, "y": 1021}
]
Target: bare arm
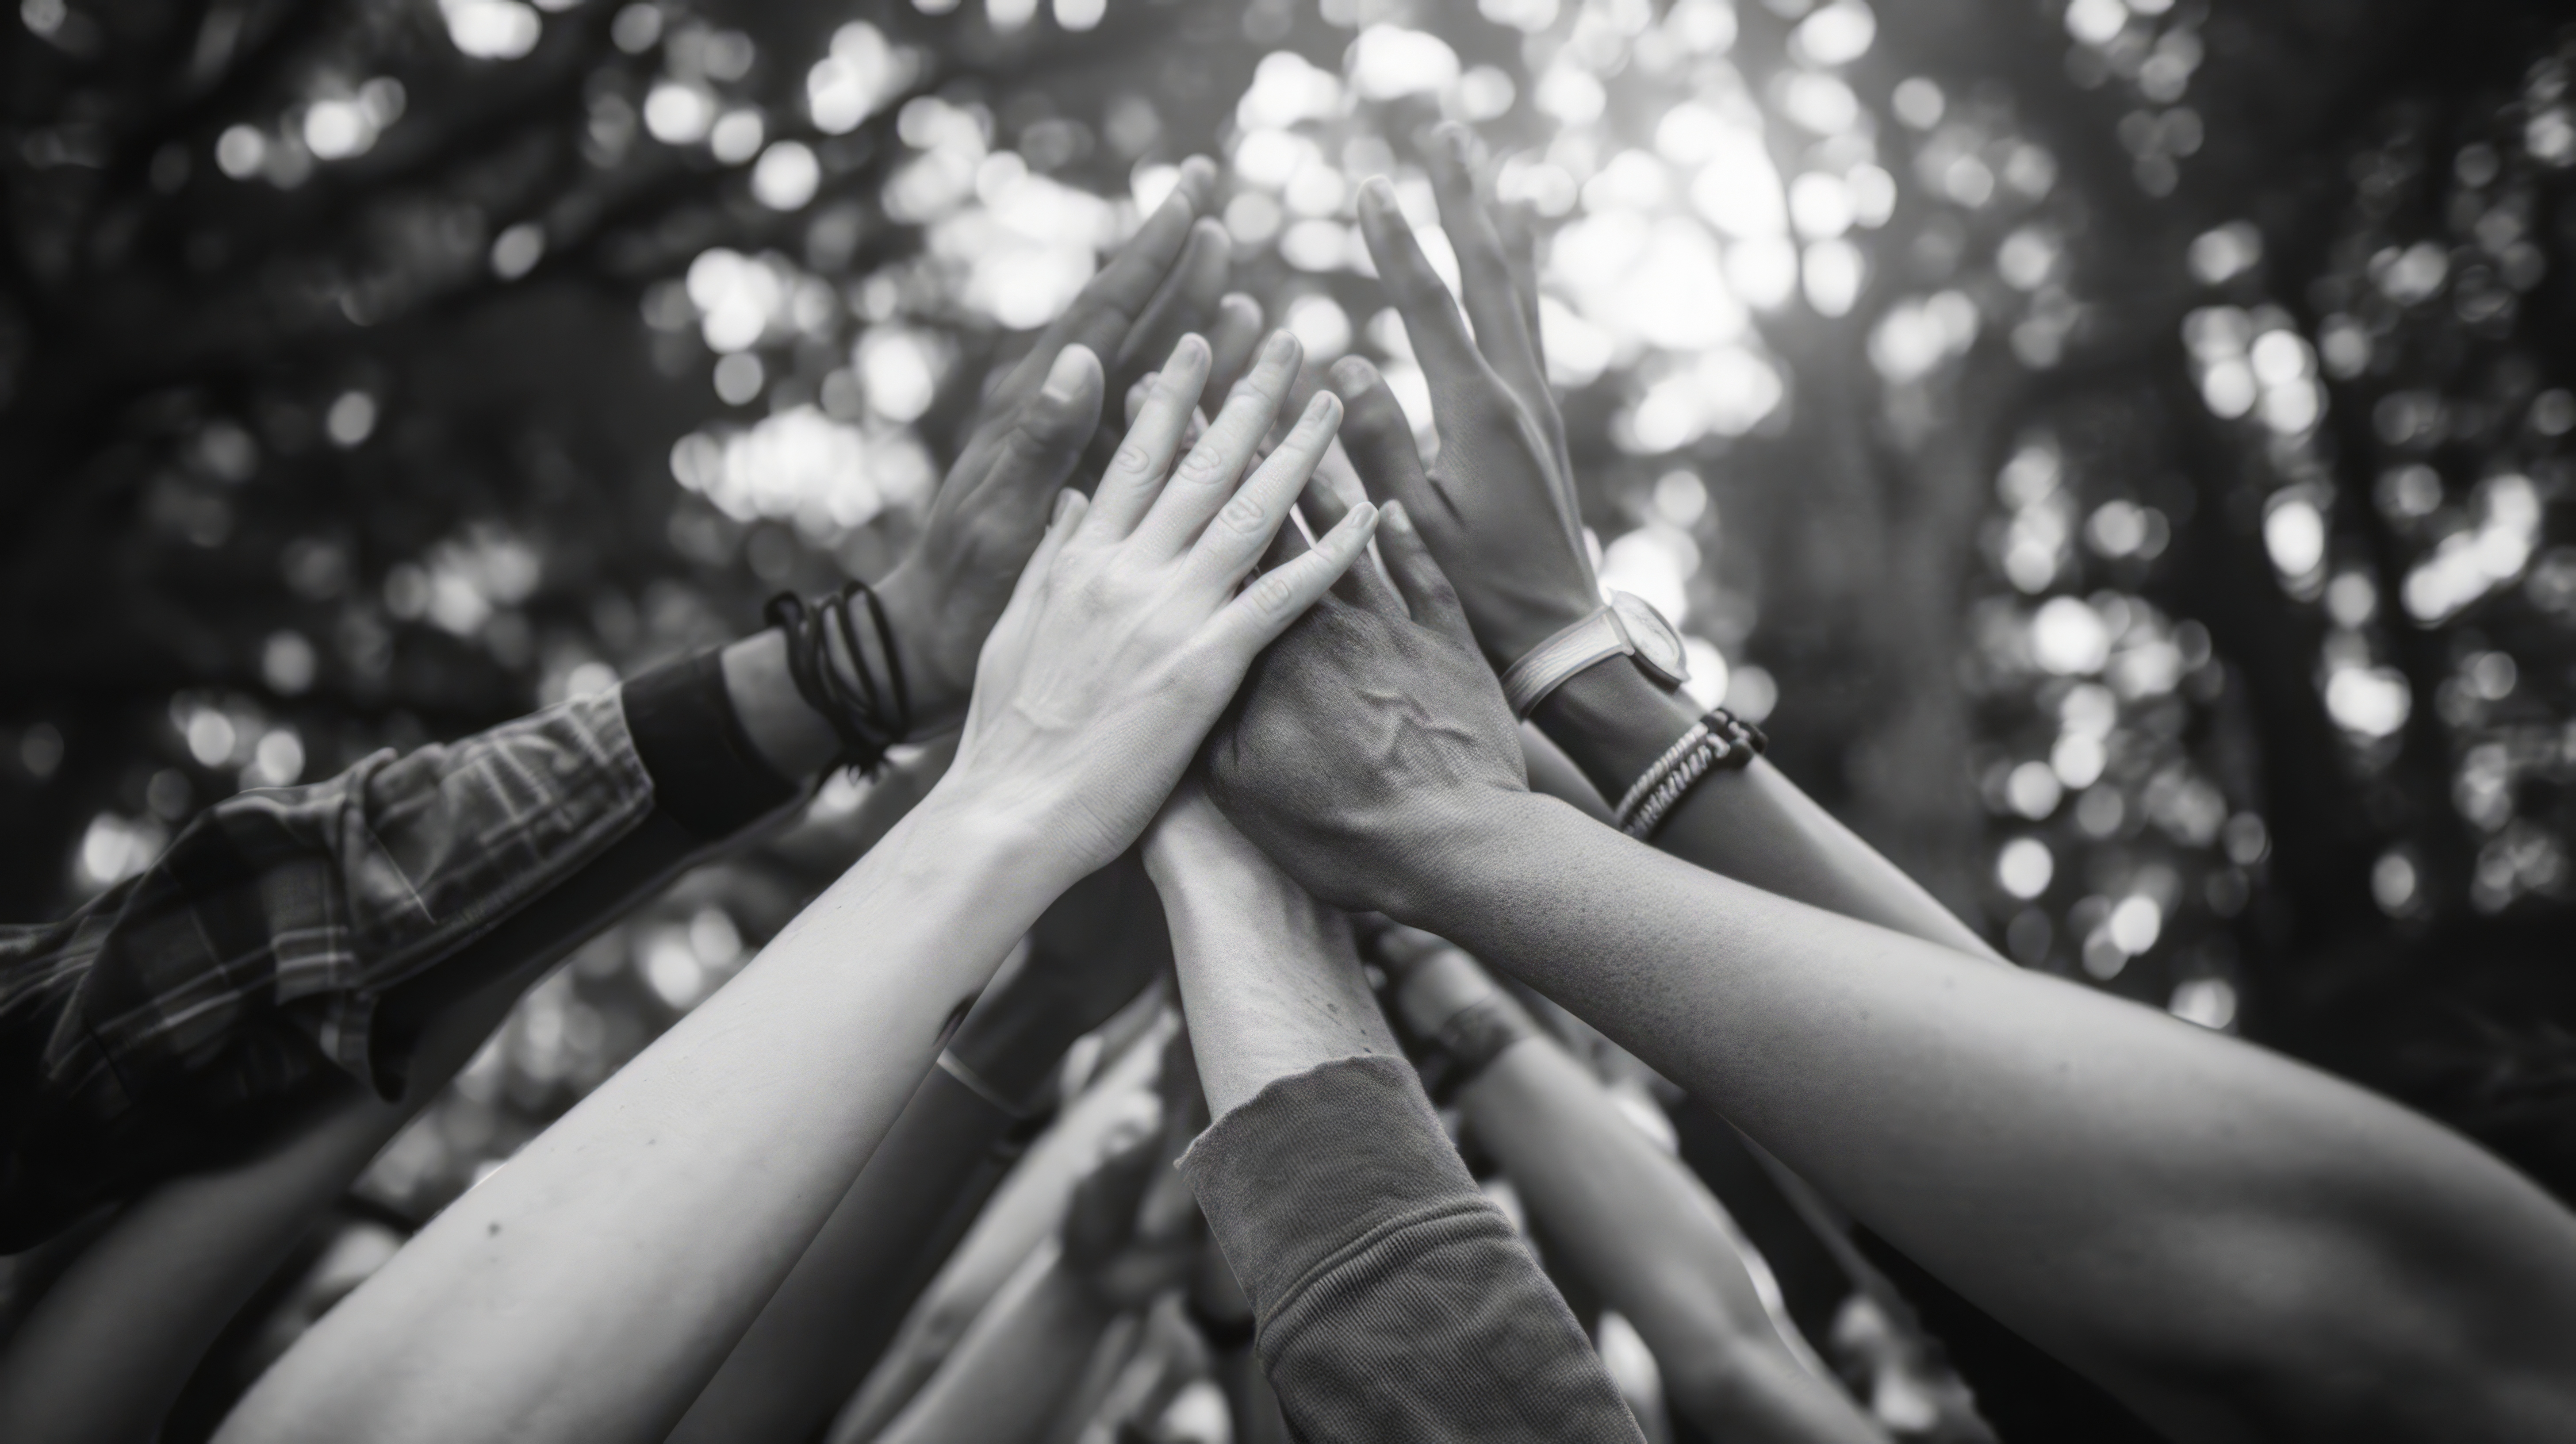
[
  {"x": 1634, "y": 1221},
  {"x": 591, "y": 1288},
  {"x": 2239, "y": 1246}
]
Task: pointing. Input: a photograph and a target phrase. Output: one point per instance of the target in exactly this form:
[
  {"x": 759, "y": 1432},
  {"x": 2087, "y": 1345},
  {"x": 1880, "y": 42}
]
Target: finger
[
  {"x": 1231, "y": 337},
  {"x": 1379, "y": 436},
  {"x": 1033, "y": 457},
  {"x": 1484, "y": 272},
  {"x": 1208, "y": 475},
  {"x": 1327, "y": 499},
  {"x": 1425, "y": 588},
  {"x": 1135, "y": 474},
  {"x": 1101, "y": 316},
  {"x": 1198, "y": 182},
  {"x": 1187, "y": 298},
  {"x": 1242, "y": 530},
  {"x": 1520, "y": 250},
  {"x": 1431, "y": 319},
  {"x": 1260, "y": 612}
]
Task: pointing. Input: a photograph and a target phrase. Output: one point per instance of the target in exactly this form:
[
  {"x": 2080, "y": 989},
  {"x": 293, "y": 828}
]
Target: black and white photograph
[{"x": 1287, "y": 722}]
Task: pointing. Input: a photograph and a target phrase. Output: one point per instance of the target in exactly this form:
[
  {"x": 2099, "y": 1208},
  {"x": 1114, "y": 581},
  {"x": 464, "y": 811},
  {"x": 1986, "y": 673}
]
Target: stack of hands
[{"x": 1281, "y": 699}]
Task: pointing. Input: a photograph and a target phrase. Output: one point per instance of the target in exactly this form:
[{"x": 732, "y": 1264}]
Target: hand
[
  {"x": 1497, "y": 508},
  {"x": 942, "y": 598},
  {"x": 1368, "y": 728},
  {"x": 1125, "y": 635}
]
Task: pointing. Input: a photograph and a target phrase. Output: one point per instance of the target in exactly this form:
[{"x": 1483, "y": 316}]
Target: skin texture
[
  {"x": 2237, "y": 1246},
  {"x": 1269, "y": 980},
  {"x": 590, "y": 1289},
  {"x": 1498, "y": 512},
  {"x": 1635, "y": 1223}
]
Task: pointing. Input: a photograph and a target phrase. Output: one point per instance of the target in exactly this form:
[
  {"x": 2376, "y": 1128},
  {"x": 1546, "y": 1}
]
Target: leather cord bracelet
[
  {"x": 1720, "y": 741},
  {"x": 868, "y": 721}
]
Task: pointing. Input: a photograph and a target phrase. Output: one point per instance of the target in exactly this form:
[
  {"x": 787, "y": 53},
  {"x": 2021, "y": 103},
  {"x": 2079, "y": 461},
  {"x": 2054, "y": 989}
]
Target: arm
[
  {"x": 1393, "y": 1301},
  {"x": 1095, "y": 949},
  {"x": 1023, "y": 1214},
  {"x": 1498, "y": 511},
  {"x": 638, "y": 787},
  {"x": 1125, "y": 1237},
  {"x": 1636, "y": 1223},
  {"x": 591, "y": 1288},
  {"x": 2237, "y": 1245}
]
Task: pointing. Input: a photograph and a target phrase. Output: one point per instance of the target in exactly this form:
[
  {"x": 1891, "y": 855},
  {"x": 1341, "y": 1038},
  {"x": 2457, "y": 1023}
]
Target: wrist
[
  {"x": 1440, "y": 880},
  {"x": 936, "y": 685},
  {"x": 1613, "y": 721}
]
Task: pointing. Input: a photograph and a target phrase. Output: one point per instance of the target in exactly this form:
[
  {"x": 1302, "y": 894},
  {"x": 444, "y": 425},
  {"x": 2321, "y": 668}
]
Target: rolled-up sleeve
[
  {"x": 255, "y": 951},
  {"x": 1393, "y": 1302}
]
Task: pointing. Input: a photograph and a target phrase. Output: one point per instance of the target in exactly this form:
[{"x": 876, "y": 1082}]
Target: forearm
[
  {"x": 2136, "y": 1194},
  {"x": 1024, "y": 1212},
  {"x": 1650, "y": 1239},
  {"x": 1012, "y": 1371},
  {"x": 816, "y": 1337},
  {"x": 1269, "y": 979},
  {"x": 1753, "y": 825},
  {"x": 671, "y": 1202}
]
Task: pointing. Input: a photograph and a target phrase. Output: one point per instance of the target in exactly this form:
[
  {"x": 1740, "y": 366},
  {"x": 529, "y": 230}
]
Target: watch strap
[{"x": 1547, "y": 666}]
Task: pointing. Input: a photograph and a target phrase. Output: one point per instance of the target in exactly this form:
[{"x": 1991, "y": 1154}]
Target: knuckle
[
  {"x": 1244, "y": 515},
  {"x": 1131, "y": 460}
]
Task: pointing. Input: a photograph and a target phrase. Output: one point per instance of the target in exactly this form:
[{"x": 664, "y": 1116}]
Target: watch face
[{"x": 1659, "y": 647}]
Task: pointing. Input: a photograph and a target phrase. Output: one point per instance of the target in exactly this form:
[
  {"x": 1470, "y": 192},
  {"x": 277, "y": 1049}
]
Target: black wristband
[{"x": 706, "y": 774}]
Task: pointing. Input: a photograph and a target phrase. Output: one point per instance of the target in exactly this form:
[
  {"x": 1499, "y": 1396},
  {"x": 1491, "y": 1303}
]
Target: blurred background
[{"x": 2117, "y": 446}]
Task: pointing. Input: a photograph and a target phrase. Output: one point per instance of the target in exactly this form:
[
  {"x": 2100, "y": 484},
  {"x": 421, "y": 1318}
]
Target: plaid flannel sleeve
[{"x": 295, "y": 909}]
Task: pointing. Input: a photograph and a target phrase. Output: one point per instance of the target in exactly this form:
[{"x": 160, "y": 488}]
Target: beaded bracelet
[
  {"x": 858, "y": 714},
  {"x": 1719, "y": 740}
]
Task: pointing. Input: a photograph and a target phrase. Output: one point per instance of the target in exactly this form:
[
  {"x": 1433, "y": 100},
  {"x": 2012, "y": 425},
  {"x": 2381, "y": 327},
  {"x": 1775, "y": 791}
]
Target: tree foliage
[{"x": 2126, "y": 438}]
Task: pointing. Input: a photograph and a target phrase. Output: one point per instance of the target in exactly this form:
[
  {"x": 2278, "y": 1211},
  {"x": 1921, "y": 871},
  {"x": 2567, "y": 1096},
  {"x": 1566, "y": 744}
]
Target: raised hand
[
  {"x": 942, "y": 599},
  {"x": 1370, "y": 724},
  {"x": 1125, "y": 636},
  {"x": 1497, "y": 508}
]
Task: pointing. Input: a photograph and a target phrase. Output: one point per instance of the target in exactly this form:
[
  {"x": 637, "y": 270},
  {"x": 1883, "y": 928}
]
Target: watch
[{"x": 1625, "y": 626}]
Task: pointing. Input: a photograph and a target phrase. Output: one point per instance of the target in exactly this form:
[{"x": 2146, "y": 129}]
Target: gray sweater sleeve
[{"x": 1394, "y": 1303}]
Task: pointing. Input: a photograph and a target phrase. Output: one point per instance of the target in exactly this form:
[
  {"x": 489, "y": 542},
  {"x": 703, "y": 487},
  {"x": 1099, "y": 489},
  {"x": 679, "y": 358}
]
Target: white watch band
[{"x": 1547, "y": 666}]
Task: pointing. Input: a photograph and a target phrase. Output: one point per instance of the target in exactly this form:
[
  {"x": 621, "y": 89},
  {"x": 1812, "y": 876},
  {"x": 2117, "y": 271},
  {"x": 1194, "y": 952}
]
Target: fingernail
[
  {"x": 1191, "y": 351},
  {"x": 1324, "y": 411},
  {"x": 1280, "y": 349},
  {"x": 1364, "y": 517},
  {"x": 1064, "y": 503},
  {"x": 1064, "y": 378},
  {"x": 1354, "y": 372},
  {"x": 1379, "y": 189},
  {"x": 1396, "y": 521}
]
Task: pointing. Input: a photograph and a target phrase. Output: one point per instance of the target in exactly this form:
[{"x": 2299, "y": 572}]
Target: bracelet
[
  {"x": 858, "y": 714},
  {"x": 1719, "y": 740}
]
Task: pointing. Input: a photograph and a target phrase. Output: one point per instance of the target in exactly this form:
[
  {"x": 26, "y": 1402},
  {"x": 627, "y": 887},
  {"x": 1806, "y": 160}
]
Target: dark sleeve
[
  {"x": 176, "y": 1020},
  {"x": 1394, "y": 1303}
]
